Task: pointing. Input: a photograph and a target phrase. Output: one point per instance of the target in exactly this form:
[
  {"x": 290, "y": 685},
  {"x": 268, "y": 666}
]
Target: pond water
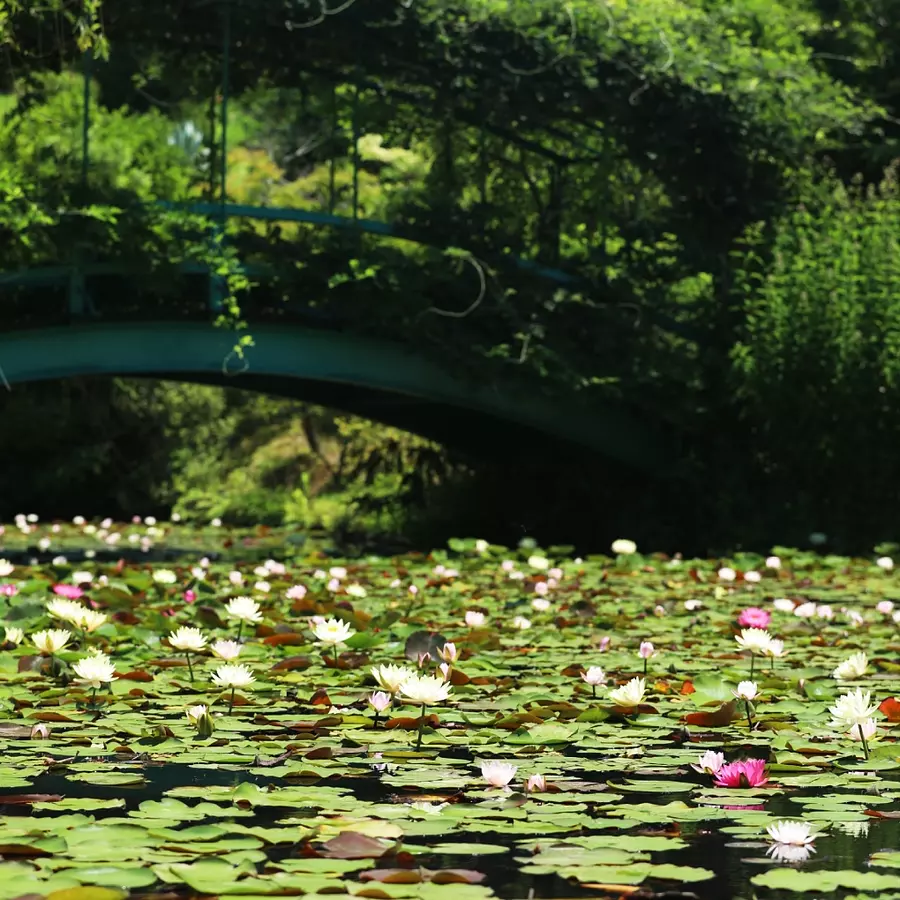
[{"x": 288, "y": 783}]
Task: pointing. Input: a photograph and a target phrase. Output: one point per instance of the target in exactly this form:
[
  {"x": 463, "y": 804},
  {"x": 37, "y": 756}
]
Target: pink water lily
[
  {"x": 754, "y": 617},
  {"x": 69, "y": 591},
  {"x": 747, "y": 773}
]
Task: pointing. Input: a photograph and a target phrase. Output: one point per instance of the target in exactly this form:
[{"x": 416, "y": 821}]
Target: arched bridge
[{"x": 378, "y": 246}]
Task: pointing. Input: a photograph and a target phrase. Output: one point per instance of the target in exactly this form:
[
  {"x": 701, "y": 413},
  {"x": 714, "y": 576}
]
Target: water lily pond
[{"x": 478, "y": 722}]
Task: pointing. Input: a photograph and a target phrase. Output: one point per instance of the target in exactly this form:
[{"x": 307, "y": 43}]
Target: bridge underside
[{"x": 371, "y": 378}]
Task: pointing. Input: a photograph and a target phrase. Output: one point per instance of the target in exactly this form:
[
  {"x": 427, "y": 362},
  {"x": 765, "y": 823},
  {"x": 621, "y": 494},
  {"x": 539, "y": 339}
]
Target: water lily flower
[
  {"x": 498, "y": 774},
  {"x": 91, "y": 620},
  {"x": 754, "y": 617},
  {"x": 789, "y": 831},
  {"x": 333, "y": 632},
  {"x": 235, "y": 578},
  {"x": 536, "y": 783},
  {"x": 824, "y": 611},
  {"x": 233, "y": 676},
  {"x": 853, "y": 712},
  {"x": 756, "y": 640},
  {"x": 95, "y": 671},
  {"x": 296, "y": 592},
  {"x": 773, "y": 562},
  {"x": 805, "y": 610},
  {"x": 200, "y": 718},
  {"x": 885, "y": 607},
  {"x": 6, "y": 568},
  {"x": 355, "y": 590},
  {"x": 390, "y": 677},
  {"x": 188, "y": 640},
  {"x": 726, "y": 573},
  {"x": 853, "y": 667},
  {"x": 521, "y": 623},
  {"x": 448, "y": 653},
  {"x": 425, "y": 690},
  {"x": 226, "y": 650},
  {"x": 629, "y": 695},
  {"x": 481, "y": 545},
  {"x": 540, "y": 604},
  {"x": 164, "y": 576},
  {"x": 68, "y": 610},
  {"x": 742, "y": 774},
  {"x": 864, "y": 731},
  {"x": 474, "y": 618},
  {"x": 783, "y": 604},
  {"x": 594, "y": 676},
  {"x": 852, "y": 709},
  {"x": 659, "y": 610},
  {"x": 51, "y": 641},
  {"x": 693, "y": 605},
  {"x": 774, "y": 649},
  {"x": 69, "y": 591},
  {"x": 885, "y": 562},
  {"x": 854, "y": 617},
  {"x": 14, "y": 635},
  {"x": 752, "y": 576},
  {"x": 624, "y": 547},
  {"x": 709, "y": 763},
  {"x": 542, "y": 588},
  {"x": 379, "y": 701},
  {"x": 8, "y": 590},
  {"x": 539, "y": 562}
]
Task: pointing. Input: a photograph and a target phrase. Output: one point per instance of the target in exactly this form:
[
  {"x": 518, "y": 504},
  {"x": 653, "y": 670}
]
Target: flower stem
[
  {"x": 594, "y": 690},
  {"x": 749, "y": 719},
  {"x": 421, "y": 726},
  {"x": 187, "y": 656},
  {"x": 645, "y": 667},
  {"x": 240, "y": 629},
  {"x": 375, "y": 723},
  {"x": 231, "y": 702},
  {"x": 752, "y": 663},
  {"x": 865, "y": 743}
]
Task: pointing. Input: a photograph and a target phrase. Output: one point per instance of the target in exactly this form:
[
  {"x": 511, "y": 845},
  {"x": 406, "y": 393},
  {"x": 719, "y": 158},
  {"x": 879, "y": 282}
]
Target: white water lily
[
  {"x": 852, "y": 709},
  {"x": 629, "y": 695},
  {"x": 783, "y": 604},
  {"x": 790, "y": 831},
  {"x": 233, "y": 676},
  {"x": 164, "y": 576},
  {"x": 95, "y": 671},
  {"x": 51, "y": 640},
  {"x": 448, "y": 653},
  {"x": 226, "y": 650},
  {"x": 82, "y": 577},
  {"x": 884, "y": 562},
  {"x": 70, "y": 611},
  {"x": 756, "y": 640},
  {"x": 474, "y": 618},
  {"x": 187, "y": 639},
  {"x": 380, "y": 700},
  {"x": 521, "y": 623},
  {"x": 536, "y": 783},
  {"x": 6, "y": 568},
  {"x": 497, "y": 773},
  {"x": 425, "y": 689},
  {"x": 390, "y": 677},
  {"x": 91, "y": 620},
  {"x": 774, "y": 649},
  {"x": 726, "y": 573},
  {"x": 539, "y": 562},
  {"x": 853, "y": 667},
  {"x": 805, "y": 610},
  {"x": 746, "y": 690},
  {"x": 709, "y": 763},
  {"x": 864, "y": 730},
  {"x": 245, "y": 609},
  {"x": 624, "y": 547},
  {"x": 594, "y": 676},
  {"x": 355, "y": 590},
  {"x": 14, "y": 635},
  {"x": 200, "y": 718},
  {"x": 332, "y": 632}
]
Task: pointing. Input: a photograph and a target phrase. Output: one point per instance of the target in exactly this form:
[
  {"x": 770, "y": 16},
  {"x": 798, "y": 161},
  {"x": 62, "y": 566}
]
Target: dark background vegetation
[{"x": 720, "y": 177}]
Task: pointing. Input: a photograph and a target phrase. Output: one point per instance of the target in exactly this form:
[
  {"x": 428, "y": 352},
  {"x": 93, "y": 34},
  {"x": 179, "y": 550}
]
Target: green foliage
[{"x": 818, "y": 371}]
